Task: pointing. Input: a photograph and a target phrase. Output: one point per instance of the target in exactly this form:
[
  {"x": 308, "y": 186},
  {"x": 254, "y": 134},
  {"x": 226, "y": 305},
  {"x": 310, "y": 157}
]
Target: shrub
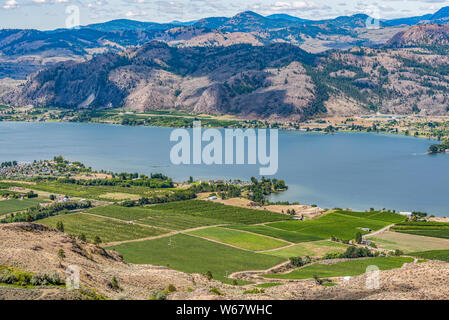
[
  {"x": 114, "y": 283},
  {"x": 216, "y": 291},
  {"x": 158, "y": 295},
  {"x": 171, "y": 288},
  {"x": 209, "y": 275},
  {"x": 254, "y": 291}
]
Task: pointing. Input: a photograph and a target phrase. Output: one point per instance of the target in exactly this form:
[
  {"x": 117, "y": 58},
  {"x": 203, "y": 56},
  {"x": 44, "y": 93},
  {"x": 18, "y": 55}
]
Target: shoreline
[{"x": 313, "y": 130}]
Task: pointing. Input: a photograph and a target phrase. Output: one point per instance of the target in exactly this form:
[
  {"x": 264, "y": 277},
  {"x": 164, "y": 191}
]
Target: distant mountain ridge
[
  {"x": 275, "y": 81},
  {"x": 23, "y": 52}
]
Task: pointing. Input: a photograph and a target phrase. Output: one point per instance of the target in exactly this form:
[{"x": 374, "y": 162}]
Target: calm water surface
[{"x": 354, "y": 170}]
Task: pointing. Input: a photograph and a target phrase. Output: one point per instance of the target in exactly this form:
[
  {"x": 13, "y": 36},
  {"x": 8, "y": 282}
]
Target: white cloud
[
  {"x": 296, "y": 5},
  {"x": 135, "y": 14},
  {"x": 10, "y": 4}
]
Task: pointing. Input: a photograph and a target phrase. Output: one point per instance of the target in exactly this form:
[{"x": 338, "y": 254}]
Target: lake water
[{"x": 348, "y": 170}]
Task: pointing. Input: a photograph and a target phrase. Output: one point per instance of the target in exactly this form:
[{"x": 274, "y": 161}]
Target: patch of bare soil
[{"x": 300, "y": 210}]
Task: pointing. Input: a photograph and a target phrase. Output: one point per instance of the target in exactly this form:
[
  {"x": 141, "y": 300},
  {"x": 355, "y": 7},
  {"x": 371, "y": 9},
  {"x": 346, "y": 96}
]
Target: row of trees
[{"x": 38, "y": 212}]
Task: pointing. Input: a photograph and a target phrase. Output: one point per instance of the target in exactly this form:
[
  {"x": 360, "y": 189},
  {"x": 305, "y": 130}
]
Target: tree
[
  {"x": 434, "y": 148},
  {"x": 97, "y": 240},
  {"x": 82, "y": 237},
  {"x": 61, "y": 254},
  {"x": 60, "y": 226},
  {"x": 114, "y": 283},
  {"x": 358, "y": 237},
  {"x": 209, "y": 275},
  {"x": 52, "y": 197},
  {"x": 296, "y": 261}
]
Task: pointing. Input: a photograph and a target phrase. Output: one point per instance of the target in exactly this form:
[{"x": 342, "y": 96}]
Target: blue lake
[{"x": 348, "y": 170}]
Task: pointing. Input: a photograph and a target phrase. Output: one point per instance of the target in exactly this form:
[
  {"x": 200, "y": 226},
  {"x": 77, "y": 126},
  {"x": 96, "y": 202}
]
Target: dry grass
[
  {"x": 120, "y": 196},
  {"x": 409, "y": 242}
]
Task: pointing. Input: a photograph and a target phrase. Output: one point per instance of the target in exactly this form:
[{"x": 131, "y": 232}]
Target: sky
[{"x": 53, "y": 14}]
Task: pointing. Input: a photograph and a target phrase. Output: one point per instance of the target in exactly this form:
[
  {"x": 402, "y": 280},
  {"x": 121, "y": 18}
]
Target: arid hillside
[{"x": 277, "y": 81}]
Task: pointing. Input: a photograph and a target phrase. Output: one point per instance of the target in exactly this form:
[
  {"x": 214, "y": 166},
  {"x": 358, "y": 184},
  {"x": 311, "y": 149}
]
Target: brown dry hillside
[
  {"x": 277, "y": 81},
  {"x": 422, "y": 35}
]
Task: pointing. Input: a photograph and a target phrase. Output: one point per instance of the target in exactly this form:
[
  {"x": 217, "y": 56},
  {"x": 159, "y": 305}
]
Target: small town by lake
[{"x": 347, "y": 170}]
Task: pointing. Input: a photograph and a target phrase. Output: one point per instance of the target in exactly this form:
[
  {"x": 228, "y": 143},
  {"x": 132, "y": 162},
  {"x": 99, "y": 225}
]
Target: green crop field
[
  {"x": 156, "y": 218},
  {"x": 375, "y": 215},
  {"x": 240, "y": 239},
  {"x": 90, "y": 192},
  {"x": 442, "y": 255},
  {"x": 220, "y": 212},
  {"x": 334, "y": 224},
  {"x": 13, "y": 205},
  {"x": 315, "y": 248},
  {"x": 428, "y": 229},
  {"x": 341, "y": 269},
  {"x": 108, "y": 230},
  {"x": 291, "y": 236},
  {"x": 194, "y": 255}
]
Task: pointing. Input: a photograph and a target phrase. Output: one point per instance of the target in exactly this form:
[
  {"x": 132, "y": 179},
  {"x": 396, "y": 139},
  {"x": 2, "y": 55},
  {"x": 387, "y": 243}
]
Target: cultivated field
[
  {"x": 240, "y": 239},
  {"x": 442, "y": 255},
  {"x": 291, "y": 236},
  {"x": 335, "y": 224},
  {"x": 429, "y": 229},
  {"x": 341, "y": 269},
  {"x": 409, "y": 242},
  {"x": 157, "y": 218},
  {"x": 312, "y": 249},
  {"x": 375, "y": 215},
  {"x": 220, "y": 212},
  {"x": 13, "y": 205},
  {"x": 108, "y": 230},
  {"x": 195, "y": 255}
]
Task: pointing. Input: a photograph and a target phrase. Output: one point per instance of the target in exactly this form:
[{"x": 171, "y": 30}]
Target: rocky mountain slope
[
  {"x": 277, "y": 81},
  {"x": 23, "y": 52},
  {"x": 423, "y": 35},
  {"x": 34, "y": 248}
]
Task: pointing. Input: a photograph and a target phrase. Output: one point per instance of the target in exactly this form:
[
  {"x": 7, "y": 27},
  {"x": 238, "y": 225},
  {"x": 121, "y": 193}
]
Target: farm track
[
  {"x": 132, "y": 222},
  {"x": 375, "y": 233},
  {"x": 275, "y": 249},
  {"x": 170, "y": 234}
]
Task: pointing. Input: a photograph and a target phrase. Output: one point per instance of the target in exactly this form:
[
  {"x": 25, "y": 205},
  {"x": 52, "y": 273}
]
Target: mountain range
[
  {"x": 23, "y": 52},
  {"x": 277, "y": 66}
]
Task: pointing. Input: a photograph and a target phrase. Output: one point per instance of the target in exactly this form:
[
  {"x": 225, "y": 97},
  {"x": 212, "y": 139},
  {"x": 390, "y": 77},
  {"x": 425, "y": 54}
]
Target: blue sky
[{"x": 52, "y": 14}]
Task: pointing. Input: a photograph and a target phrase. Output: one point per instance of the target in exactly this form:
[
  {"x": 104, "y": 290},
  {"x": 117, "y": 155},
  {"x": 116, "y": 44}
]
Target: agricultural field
[
  {"x": 89, "y": 192},
  {"x": 442, "y": 255},
  {"x": 330, "y": 225},
  {"x": 14, "y": 205},
  {"x": 341, "y": 269},
  {"x": 108, "y": 230},
  {"x": 220, "y": 212},
  {"x": 312, "y": 249},
  {"x": 240, "y": 239},
  {"x": 428, "y": 229},
  {"x": 194, "y": 255},
  {"x": 375, "y": 215},
  {"x": 408, "y": 242},
  {"x": 290, "y": 236},
  {"x": 149, "y": 216}
]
